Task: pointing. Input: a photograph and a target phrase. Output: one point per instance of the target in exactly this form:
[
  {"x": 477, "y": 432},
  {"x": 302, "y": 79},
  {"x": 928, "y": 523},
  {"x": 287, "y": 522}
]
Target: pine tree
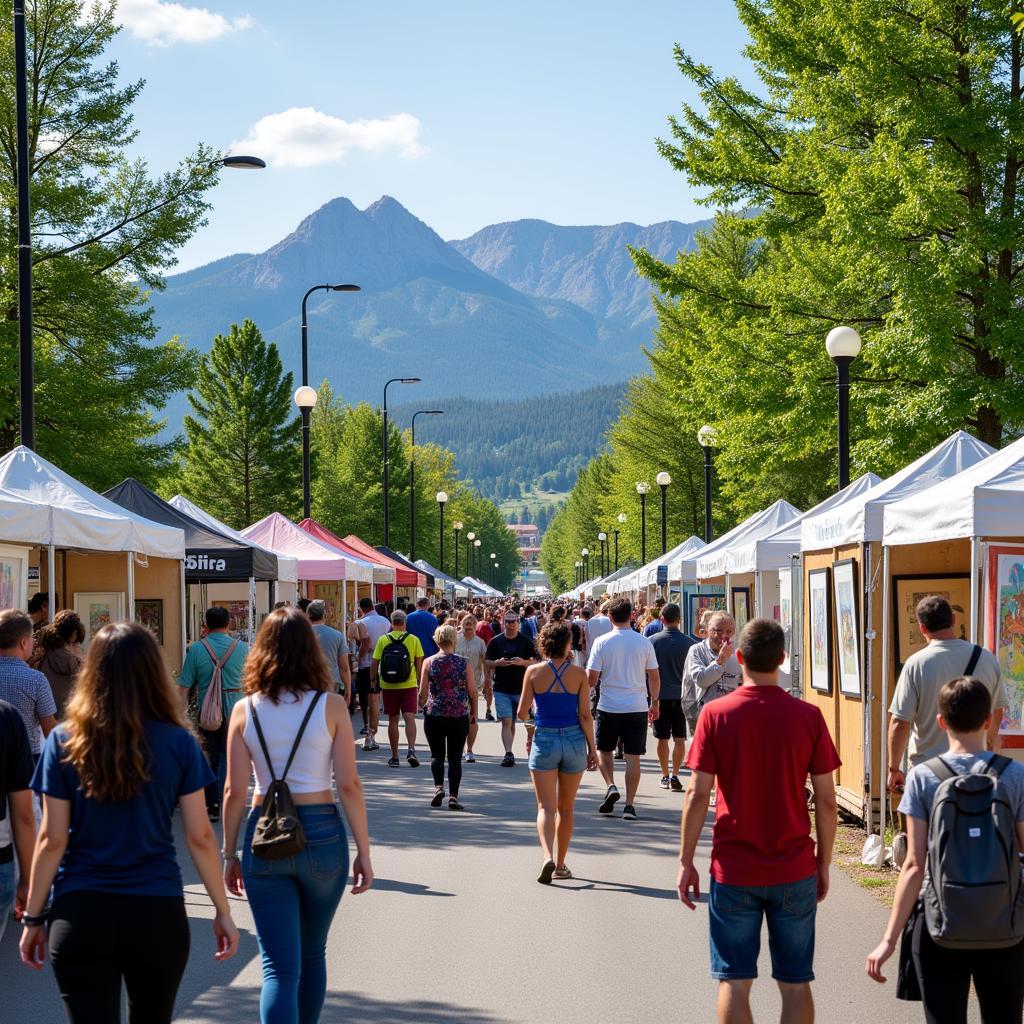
[{"x": 242, "y": 460}]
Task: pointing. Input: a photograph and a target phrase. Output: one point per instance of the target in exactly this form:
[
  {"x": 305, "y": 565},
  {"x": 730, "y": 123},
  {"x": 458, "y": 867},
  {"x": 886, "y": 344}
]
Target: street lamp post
[
  {"x": 663, "y": 480},
  {"x": 305, "y": 362},
  {"x": 586, "y": 563},
  {"x": 442, "y": 499},
  {"x": 305, "y": 399},
  {"x": 707, "y": 437},
  {"x": 476, "y": 549},
  {"x": 384, "y": 417},
  {"x": 412, "y": 478},
  {"x": 603, "y": 538},
  {"x": 457, "y": 529},
  {"x": 622, "y": 522},
  {"x": 843, "y": 345},
  {"x": 642, "y": 488},
  {"x": 470, "y": 537}
]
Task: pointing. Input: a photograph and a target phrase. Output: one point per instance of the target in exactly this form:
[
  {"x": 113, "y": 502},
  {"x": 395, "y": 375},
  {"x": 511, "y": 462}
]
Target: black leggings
[
  {"x": 946, "y": 974},
  {"x": 98, "y": 939},
  {"x": 447, "y": 739}
]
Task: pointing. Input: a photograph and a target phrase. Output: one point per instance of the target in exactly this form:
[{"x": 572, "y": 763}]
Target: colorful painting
[
  {"x": 700, "y": 603},
  {"x": 1004, "y": 627},
  {"x": 844, "y": 586},
  {"x": 13, "y": 578},
  {"x": 819, "y": 620},
  {"x": 785, "y": 615},
  {"x": 238, "y": 623},
  {"x": 740, "y": 607},
  {"x": 97, "y": 610},
  {"x": 149, "y": 612},
  {"x": 908, "y": 591}
]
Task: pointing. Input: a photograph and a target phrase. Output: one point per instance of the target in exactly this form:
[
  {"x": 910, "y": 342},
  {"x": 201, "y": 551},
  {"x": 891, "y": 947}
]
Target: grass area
[
  {"x": 846, "y": 857},
  {"x": 533, "y": 500}
]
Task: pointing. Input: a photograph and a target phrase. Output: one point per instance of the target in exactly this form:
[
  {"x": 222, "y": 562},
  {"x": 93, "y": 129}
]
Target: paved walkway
[{"x": 456, "y": 929}]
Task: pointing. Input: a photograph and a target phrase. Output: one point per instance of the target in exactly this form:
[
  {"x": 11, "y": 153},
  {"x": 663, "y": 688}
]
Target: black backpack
[
  {"x": 973, "y": 897},
  {"x": 395, "y": 662}
]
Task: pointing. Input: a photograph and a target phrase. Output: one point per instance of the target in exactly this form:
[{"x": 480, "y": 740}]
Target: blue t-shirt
[
  {"x": 423, "y": 625},
  {"x": 125, "y": 846}
]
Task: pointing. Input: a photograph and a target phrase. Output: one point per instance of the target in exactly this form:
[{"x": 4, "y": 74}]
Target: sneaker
[
  {"x": 438, "y": 797},
  {"x": 508, "y": 761},
  {"x": 629, "y": 811},
  {"x": 489, "y": 717},
  {"x": 468, "y": 757},
  {"x": 664, "y": 782},
  {"x": 675, "y": 784},
  {"x": 609, "y": 800},
  {"x": 213, "y": 814},
  {"x": 414, "y": 761},
  {"x": 620, "y": 754},
  {"x": 393, "y": 762},
  {"x": 454, "y": 805},
  {"x": 371, "y": 744},
  {"x": 364, "y": 731},
  {"x": 546, "y": 872}
]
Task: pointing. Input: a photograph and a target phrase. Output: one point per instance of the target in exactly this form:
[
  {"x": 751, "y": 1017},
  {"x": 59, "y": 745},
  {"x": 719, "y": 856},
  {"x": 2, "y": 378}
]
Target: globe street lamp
[
  {"x": 470, "y": 537},
  {"x": 843, "y": 345},
  {"x": 412, "y": 478},
  {"x": 457, "y": 529},
  {"x": 642, "y": 488},
  {"x": 586, "y": 562},
  {"x": 387, "y": 502},
  {"x": 577, "y": 565},
  {"x": 622, "y": 522},
  {"x": 479, "y": 556},
  {"x": 663, "y": 480},
  {"x": 305, "y": 399},
  {"x": 707, "y": 438},
  {"x": 603, "y": 538},
  {"x": 442, "y": 499},
  {"x": 494, "y": 574}
]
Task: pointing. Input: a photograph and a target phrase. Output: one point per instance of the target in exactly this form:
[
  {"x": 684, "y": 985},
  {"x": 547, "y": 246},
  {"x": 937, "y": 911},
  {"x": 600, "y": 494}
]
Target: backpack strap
[
  {"x": 302, "y": 729},
  {"x": 997, "y": 765},
  {"x": 940, "y": 769},
  {"x": 263, "y": 742},
  {"x": 973, "y": 663},
  {"x": 219, "y": 662}
]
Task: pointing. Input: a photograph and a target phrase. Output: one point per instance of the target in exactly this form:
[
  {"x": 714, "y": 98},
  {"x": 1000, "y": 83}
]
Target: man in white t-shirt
[
  {"x": 626, "y": 665},
  {"x": 915, "y": 704},
  {"x": 369, "y": 694},
  {"x": 597, "y": 626}
]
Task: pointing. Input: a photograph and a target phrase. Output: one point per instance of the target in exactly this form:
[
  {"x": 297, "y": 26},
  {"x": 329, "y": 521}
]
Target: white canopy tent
[
  {"x": 647, "y": 575},
  {"x": 484, "y": 588},
  {"x": 713, "y": 560}
]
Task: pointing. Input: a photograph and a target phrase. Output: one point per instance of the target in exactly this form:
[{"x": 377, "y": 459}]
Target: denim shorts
[
  {"x": 736, "y": 913},
  {"x": 506, "y": 705},
  {"x": 8, "y": 886},
  {"x": 561, "y": 749}
]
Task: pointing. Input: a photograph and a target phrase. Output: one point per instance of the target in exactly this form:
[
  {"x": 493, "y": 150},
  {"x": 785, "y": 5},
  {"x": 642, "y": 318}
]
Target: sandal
[
  {"x": 438, "y": 797},
  {"x": 454, "y": 805},
  {"x": 563, "y": 872},
  {"x": 546, "y": 872}
]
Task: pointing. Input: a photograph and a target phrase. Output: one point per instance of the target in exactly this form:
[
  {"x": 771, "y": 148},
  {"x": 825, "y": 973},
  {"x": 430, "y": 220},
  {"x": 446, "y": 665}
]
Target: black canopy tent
[
  {"x": 384, "y": 550},
  {"x": 210, "y": 557}
]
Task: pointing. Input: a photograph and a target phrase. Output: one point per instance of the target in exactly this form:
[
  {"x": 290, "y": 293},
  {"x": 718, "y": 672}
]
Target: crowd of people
[{"x": 98, "y": 750}]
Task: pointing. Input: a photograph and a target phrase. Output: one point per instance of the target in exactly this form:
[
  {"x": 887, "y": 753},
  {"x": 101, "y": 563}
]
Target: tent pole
[
  {"x": 796, "y": 623},
  {"x": 251, "y": 623},
  {"x": 51, "y": 581},
  {"x": 728, "y": 596},
  {"x": 867, "y": 689},
  {"x": 975, "y": 568},
  {"x": 131, "y": 586},
  {"x": 184, "y": 611},
  {"x": 883, "y": 760},
  {"x": 758, "y": 595}
]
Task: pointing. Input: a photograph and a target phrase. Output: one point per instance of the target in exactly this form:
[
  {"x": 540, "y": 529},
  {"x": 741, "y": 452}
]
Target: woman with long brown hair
[
  {"x": 110, "y": 777},
  {"x": 292, "y": 718},
  {"x": 58, "y": 655}
]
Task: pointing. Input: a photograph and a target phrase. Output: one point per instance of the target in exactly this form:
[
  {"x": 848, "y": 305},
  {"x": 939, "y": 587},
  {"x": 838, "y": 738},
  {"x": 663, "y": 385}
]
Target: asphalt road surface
[{"x": 456, "y": 928}]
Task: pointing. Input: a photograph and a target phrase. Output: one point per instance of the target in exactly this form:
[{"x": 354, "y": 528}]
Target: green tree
[
  {"x": 103, "y": 230},
  {"x": 242, "y": 460}
]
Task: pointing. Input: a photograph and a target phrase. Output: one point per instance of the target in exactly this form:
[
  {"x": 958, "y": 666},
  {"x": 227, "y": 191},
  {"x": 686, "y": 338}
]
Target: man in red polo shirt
[{"x": 762, "y": 744}]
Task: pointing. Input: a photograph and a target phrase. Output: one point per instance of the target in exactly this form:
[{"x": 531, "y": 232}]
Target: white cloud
[
  {"x": 305, "y": 137},
  {"x": 162, "y": 23}
]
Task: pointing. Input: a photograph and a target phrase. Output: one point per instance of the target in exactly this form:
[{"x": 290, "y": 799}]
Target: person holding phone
[
  {"x": 712, "y": 670},
  {"x": 508, "y": 657}
]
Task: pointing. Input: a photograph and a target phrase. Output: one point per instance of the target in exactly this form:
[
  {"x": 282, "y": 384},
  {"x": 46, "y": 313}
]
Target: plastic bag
[{"x": 873, "y": 854}]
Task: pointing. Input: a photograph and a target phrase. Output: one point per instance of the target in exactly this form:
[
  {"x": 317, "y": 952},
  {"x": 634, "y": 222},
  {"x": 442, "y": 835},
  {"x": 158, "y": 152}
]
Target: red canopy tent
[
  {"x": 384, "y": 573},
  {"x": 404, "y": 577}
]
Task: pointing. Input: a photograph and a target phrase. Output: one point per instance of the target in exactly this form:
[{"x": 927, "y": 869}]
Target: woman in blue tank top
[{"x": 563, "y": 743}]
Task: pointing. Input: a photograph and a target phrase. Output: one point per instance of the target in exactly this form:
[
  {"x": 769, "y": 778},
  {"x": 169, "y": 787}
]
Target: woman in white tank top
[{"x": 286, "y": 678}]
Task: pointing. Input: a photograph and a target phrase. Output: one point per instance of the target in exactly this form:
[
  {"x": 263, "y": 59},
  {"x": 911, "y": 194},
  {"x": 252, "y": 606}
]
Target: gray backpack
[{"x": 973, "y": 897}]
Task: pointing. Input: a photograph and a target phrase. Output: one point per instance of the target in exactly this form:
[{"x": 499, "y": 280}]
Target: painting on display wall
[
  {"x": 330, "y": 594},
  {"x": 844, "y": 587},
  {"x": 97, "y": 609},
  {"x": 740, "y": 607},
  {"x": 149, "y": 612},
  {"x": 819, "y": 600},
  {"x": 699, "y": 604},
  {"x": 238, "y": 621},
  {"x": 1004, "y": 627},
  {"x": 13, "y": 578},
  {"x": 908, "y": 591},
  {"x": 786, "y": 605}
]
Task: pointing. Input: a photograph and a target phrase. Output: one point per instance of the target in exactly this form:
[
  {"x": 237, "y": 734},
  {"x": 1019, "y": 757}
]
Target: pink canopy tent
[
  {"x": 383, "y": 572},
  {"x": 316, "y": 560}
]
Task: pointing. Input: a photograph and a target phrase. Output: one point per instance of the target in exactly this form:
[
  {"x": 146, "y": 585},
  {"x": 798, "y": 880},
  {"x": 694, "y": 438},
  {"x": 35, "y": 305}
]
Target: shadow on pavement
[
  {"x": 593, "y": 884},
  {"x": 410, "y": 888}
]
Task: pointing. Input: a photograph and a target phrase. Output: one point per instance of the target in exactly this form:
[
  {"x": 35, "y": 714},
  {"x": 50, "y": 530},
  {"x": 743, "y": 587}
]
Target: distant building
[{"x": 528, "y": 544}]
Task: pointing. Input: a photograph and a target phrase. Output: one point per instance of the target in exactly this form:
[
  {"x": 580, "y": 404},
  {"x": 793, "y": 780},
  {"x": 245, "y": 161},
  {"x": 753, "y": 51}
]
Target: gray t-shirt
[
  {"x": 331, "y": 643},
  {"x": 916, "y": 699},
  {"x": 670, "y": 648},
  {"x": 922, "y": 783},
  {"x": 704, "y": 679}
]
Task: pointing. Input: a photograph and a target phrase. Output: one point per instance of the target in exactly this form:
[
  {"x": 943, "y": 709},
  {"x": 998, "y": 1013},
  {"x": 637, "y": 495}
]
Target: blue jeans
[
  {"x": 8, "y": 887},
  {"x": 293, "y": 903},
  {"x": 564, "y": 750},
  {"x": 736, "y": 913}
]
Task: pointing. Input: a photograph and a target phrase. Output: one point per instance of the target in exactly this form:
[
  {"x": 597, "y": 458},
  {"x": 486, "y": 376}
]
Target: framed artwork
[
  {"x": 97, "y": 609},
  {"x": 844, "y": 588},
  {"x": 700, "y": 603},
  {"x": 785, "y": 615},
  {"x": 740, "y": 607},
  {"x": 238, "y": 623},
  {"x": 907, "y": 591},
  {"x": 819, "y": 622},
  {"x": 14, "y": 572},
  {"x": 149, "y": 612},
  {"x": 330, "y": 594},
  {"x": 1004, "y": 629}
]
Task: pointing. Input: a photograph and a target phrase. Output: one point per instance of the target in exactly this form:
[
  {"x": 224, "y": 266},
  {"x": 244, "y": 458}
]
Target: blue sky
[{"x": 468, "y": 113}]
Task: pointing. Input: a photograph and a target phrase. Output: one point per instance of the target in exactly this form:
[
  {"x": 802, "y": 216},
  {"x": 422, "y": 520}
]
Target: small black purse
[{"x": 279, "y": 833}]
